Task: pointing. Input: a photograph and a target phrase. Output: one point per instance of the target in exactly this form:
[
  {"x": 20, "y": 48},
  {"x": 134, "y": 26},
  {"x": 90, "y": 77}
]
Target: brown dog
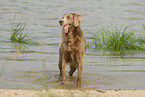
[{"x": 73, "y": 45}]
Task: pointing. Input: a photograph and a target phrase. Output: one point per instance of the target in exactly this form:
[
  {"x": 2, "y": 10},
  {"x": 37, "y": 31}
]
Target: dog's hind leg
[{"x": 72, "y": 69}]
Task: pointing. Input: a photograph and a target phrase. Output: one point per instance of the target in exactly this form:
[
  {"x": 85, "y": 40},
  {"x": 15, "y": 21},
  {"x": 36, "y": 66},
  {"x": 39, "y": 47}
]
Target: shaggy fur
[{"x": 73, "y": 45}]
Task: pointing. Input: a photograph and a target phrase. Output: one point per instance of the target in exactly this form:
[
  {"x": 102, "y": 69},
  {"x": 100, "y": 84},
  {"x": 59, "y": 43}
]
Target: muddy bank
[{"x": 72, "y": 93}]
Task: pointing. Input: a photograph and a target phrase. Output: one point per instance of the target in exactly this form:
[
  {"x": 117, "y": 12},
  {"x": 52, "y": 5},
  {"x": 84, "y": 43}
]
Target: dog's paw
[{"x": 62, "y": 82}]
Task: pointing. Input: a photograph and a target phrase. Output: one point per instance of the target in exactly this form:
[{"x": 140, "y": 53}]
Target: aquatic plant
[
  {"x": 17, "y": 34},
  {"x": 117, "y": 40}
]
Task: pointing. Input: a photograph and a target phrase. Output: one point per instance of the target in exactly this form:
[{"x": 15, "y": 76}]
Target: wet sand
[{"x": 72, "y": 93}]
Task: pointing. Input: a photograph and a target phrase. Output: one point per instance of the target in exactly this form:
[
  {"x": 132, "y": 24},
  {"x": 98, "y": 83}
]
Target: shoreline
[{"x": 71, "y": 93}]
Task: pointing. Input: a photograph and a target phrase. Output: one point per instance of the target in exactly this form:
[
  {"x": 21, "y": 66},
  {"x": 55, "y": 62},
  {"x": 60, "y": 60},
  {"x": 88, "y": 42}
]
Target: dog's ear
[{"x": 77, "y": 19}]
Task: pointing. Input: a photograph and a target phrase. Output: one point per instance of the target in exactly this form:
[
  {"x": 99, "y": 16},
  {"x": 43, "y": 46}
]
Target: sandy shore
[{"x": 72, "y": 93}]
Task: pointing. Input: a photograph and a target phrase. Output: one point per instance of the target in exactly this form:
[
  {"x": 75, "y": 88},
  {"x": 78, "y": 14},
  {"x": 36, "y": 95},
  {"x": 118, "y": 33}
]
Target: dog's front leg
[
  {"x": 80, "y": 67},
  {"x": 63, "y": 70}
]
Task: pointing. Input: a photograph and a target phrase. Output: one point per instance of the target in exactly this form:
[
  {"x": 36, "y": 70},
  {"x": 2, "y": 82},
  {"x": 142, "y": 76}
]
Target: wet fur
[{"x": 72, "y": 50}]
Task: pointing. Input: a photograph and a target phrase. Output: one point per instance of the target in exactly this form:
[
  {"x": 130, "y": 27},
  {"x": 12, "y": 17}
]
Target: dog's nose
[{"x": 60, "y": 22}]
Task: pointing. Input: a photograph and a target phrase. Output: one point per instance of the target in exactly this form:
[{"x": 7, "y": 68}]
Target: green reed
[
  {"x": 18, "y": 35},
  {"x": 117, "y": 40}
]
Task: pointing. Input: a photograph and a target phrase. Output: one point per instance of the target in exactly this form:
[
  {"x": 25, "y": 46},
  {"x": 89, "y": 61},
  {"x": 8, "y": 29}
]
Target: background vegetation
[
  {"x": 115, "y": 39},
  {"x": 18, "y": 35}
]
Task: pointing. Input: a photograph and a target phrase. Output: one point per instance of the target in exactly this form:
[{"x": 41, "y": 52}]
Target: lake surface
[{"x": 36, "y": 66}]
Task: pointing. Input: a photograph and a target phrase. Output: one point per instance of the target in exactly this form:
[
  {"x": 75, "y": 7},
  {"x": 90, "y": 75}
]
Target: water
[{"x": 36, "y": 66}]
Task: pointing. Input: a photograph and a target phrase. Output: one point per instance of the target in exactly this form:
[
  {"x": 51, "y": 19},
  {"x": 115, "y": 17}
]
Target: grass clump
[
  {"x": 117, "y": 40},
  {"x": 18, "y": 35}
]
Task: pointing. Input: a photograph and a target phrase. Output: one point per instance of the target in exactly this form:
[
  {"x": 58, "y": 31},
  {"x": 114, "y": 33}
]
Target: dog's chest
[{"x": 68, "y": 41}]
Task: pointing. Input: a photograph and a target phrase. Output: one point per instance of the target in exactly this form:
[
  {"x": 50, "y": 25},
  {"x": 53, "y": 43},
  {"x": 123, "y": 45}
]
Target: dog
[{"x": 73, "y": 46}]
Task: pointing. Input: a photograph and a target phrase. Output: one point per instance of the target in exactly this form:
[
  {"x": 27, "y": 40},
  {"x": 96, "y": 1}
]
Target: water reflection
[{"x": 17, "y": 52}]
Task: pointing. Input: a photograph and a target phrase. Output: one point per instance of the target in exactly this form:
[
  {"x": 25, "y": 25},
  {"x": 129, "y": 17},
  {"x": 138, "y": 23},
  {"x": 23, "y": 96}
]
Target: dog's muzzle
[{"x": 60, "y": 22}]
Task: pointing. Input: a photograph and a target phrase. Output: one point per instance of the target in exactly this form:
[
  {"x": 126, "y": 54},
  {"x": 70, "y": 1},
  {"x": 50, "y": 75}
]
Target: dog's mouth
[{"x": 66, "y": 28}]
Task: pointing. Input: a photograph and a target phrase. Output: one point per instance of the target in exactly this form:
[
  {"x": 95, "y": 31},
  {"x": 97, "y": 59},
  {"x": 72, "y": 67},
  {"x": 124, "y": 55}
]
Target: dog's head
[{"x": 71, "y": 19}]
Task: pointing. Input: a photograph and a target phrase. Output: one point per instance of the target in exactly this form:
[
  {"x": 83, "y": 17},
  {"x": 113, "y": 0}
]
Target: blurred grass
[{"x": 116, "y": 40}]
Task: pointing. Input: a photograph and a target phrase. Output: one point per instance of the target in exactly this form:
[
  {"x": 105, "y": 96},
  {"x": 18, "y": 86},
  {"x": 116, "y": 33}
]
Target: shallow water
[{"x": 36, "y": 66}]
